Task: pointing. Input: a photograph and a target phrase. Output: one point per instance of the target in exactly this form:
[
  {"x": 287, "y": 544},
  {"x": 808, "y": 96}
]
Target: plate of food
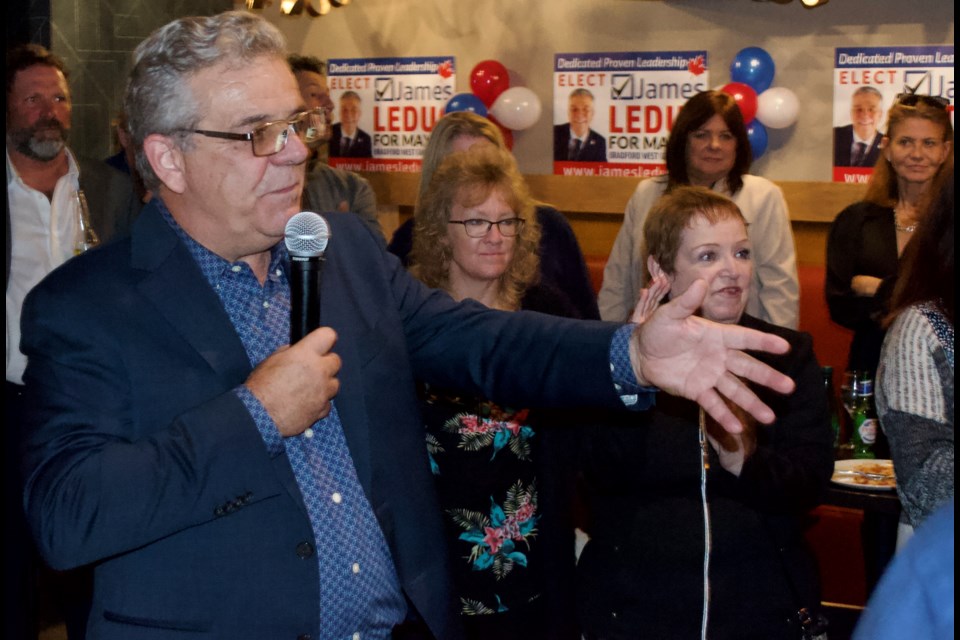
[{"x": 872, "y": 475}]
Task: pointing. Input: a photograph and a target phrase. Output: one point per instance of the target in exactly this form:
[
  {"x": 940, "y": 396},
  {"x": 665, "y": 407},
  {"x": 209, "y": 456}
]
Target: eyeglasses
[
  {"x": 478, "y": 227},
  {"x": 913, "y": 99},
  {"x": 271, "y": 137}
]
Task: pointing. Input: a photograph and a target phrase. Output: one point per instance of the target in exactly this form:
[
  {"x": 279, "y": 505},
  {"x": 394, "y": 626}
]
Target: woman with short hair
[{"x": 642, "y": 574}]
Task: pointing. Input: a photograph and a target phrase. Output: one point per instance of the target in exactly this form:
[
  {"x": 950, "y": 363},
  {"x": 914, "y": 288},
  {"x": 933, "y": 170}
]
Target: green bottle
[
  {"x": 865, "y": 423},
  {"x": 832, "y": 405}
]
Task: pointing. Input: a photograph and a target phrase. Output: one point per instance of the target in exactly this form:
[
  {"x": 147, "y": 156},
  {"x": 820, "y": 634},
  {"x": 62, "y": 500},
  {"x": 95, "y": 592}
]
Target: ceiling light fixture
[{"x": 807, "y": 4}]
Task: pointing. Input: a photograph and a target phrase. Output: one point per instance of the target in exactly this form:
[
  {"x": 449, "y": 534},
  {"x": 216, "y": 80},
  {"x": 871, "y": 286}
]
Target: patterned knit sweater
[{"x": 915, "y": 404}]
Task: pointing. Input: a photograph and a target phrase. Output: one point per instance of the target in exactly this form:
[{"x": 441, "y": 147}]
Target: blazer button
[
  {"x": 304, "y": 550},
  {"x": 219, "y": 511}
]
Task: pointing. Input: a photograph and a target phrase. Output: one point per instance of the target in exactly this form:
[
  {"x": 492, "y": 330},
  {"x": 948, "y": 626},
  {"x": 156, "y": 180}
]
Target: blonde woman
[
  {"x": 502, "y": 480},
  {"x": 561, "y": 260}
]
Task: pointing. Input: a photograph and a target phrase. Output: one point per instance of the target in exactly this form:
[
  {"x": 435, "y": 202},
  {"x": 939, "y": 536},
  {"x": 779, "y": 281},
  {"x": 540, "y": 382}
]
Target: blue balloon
[
  {"x": 757, "y": 135},
  {"x": 466, "y": 102},
  {"x": 753, "y": 67}
]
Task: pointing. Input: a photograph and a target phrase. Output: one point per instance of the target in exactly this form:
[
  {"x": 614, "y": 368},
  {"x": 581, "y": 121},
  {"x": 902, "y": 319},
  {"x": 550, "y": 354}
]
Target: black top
[
  {"x": 641, "y": 575},
  {"x": 504, "y": 476},
  {"x": 862, "y": 241}
]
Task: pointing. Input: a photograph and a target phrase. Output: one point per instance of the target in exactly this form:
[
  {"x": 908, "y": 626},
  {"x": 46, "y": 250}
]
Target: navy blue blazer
[
  {"x": 362, "y": 146},
  {"x": 595, "y": 149},
  {"x": 142, "y": 461},
  {"x": 843, "y": 143}
]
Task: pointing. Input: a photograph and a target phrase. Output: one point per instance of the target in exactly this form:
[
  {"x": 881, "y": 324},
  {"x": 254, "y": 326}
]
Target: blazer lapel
[
  {"x": 339, "y": 310},
  {"x": 184, "y": 298}
]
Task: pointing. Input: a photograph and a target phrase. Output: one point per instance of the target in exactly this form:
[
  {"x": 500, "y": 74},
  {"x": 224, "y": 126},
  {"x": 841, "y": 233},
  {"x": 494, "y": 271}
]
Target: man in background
[
  {"x": 311, "y": 75},
  {"x": 43, "y": 181},
  {"x": 576, "y": 141},
  {"x": 124, "y": 160},
  {"x": 858, "y": 144},
  {"x": 329, "y": 188},
  {"x": 348, "y": 140}
]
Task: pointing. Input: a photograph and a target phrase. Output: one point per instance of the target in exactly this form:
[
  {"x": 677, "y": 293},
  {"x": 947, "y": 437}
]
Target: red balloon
[
  {"x": 745, "y": 97},
  {"x": 488, "y": 80}
]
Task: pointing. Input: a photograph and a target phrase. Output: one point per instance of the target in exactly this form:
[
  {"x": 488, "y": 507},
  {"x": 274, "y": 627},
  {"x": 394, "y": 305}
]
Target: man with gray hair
[
  {"x": 576, "y": 141},
  {"x": 858, "y": 143},
  {"x": 225, "y": 483},
  {"x": 347, "y": 139}
]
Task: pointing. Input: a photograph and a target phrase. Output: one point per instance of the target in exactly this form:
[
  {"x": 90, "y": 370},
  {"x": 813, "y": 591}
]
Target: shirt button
[
  {"x": 336, "y": 497},
  {"x": 356, "y": 567},
  {"x": 278, "y": 272},
  {"x": 266, "y": 305},
  {"x": 356, "y": 636},
  {"x": 236, "y": 268},
  {"x": 308, "y": 433}
]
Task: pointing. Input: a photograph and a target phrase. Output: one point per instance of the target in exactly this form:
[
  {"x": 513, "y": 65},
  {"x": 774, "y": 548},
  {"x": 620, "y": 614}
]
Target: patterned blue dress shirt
[{"x": 360, "y": 595}]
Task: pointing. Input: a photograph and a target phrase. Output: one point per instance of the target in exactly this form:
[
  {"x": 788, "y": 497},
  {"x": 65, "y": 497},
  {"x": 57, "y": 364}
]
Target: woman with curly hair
[
  {"x": 561, "y": 262},
  {"x": 504, "y": 485}
]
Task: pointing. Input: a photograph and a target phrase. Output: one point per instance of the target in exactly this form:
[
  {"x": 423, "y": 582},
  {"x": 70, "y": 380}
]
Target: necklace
[{"x": 905, "y": 228}]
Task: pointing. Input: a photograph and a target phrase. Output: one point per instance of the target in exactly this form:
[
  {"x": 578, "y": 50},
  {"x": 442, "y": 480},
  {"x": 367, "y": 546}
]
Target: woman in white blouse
[{"x": 708, "y": 147}]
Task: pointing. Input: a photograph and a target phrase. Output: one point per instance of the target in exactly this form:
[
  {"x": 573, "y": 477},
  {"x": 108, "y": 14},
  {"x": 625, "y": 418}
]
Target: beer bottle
[
  {"x": 832, "y": 406},
  {"x": 86, "y": 237},
  {"x": 865, "y": 423}
]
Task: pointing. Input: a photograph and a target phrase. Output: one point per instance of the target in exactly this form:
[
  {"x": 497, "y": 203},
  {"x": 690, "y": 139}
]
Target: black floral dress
[
  {"x": 481, "y": 455},
  {"x": 511, "y": 548}
]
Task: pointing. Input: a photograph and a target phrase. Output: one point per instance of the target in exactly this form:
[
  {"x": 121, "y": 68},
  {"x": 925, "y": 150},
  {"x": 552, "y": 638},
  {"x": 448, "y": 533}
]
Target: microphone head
[{"x": 306, "y": 235}]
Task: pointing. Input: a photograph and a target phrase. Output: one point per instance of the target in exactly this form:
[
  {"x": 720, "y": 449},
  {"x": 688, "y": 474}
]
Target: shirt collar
[
  {"x": 13, "y": 175},
  {"x": 211, "y": 265}
]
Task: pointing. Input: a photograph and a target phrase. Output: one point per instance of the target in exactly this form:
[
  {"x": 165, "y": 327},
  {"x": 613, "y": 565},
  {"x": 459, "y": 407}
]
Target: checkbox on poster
[
  {"x": 913, "y": 78},
  {"x": 383, "y": 89},
  {"x": 621, "y": 86}
]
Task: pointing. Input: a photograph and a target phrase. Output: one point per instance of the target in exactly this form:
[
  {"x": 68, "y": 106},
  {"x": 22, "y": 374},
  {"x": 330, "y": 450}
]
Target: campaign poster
[
  {"x": 385, "y": 109},
  {"x": 613, "y": 112},
  {"x": 867, "y": 82}
]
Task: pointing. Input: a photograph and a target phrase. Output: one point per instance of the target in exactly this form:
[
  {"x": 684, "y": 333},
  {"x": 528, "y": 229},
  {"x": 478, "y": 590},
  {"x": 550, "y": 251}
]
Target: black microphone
[{"x": 306, "y": 236}]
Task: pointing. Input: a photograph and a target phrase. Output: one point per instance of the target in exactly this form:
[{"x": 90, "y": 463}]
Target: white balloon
[
  {"x": 777, "y": 108},
  {"x": 517, "y": 108}
]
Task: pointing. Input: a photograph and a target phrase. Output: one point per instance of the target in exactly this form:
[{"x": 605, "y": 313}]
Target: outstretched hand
[{"x": 703, "y": 361}]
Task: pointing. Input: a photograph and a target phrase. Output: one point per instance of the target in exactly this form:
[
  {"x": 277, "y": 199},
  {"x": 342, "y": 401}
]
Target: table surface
[{"x": 885, "y": 502}]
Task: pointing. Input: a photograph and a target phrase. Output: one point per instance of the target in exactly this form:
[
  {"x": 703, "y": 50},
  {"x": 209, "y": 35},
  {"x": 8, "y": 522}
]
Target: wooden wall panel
[{"x": 594, "y": 206}]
